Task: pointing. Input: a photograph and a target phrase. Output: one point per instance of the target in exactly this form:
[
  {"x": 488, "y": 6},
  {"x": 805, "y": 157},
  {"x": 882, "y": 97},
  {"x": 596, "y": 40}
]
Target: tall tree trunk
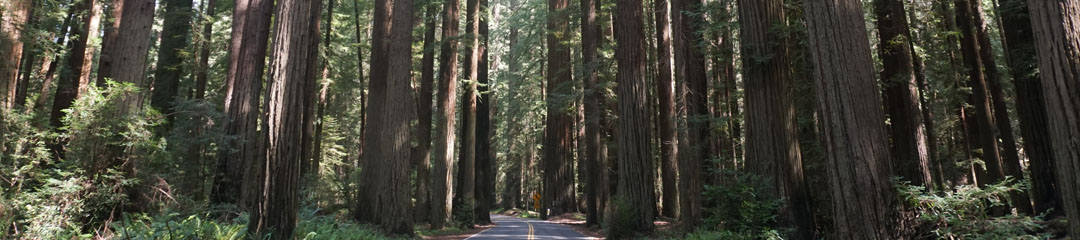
[
  {"x": 1056, "y": 25},
  {"x": 29, "y": 54},
  {"x": 76, "y": 79},
  {"x": 593, "y": 108},
  {"x": 203, "y": 70},
  {"x": 1021, "y": 57},
  {"x": 49, "y": 65},
  {"x": 321, "y": 101},
  {"x": 558, "y": 176},
  {"x": 863, "y": 200},
  {"x": 13, "y": 19},
  {"x": 485, "y": 159},
  {"x": 238, "y": 170},
  {"x": 985, "y": 131},
  {"x": 690, "y": 68},
  {"x": 665, "y": 92},
  {"x": 381, "y": 24},
  {"x": 1010, "y": 158},
  {"x": 512, "y": 194},
  {"x": 295, "y": 30},
  {"x": 635, "y": 157},
  {"x": 772, "y": 142},
  {"x": 108, "y": 41},
  {"x": 909, "y": 149},
  {"x": 422, "y": 156},
  {"x": 467, "y": 160},
  {"x": 387, "y": 161},
  {"x": 170, "y": 65},
  {"x": 442, "y": 196}
]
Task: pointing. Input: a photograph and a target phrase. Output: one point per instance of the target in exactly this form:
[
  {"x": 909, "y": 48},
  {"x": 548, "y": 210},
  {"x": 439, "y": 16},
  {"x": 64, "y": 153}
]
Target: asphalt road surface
[{"x": 525, "y": 229}]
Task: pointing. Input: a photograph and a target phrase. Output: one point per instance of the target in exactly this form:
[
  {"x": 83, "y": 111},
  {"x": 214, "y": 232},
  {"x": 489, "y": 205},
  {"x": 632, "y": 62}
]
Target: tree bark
[
  {"x": 422, "y": 156},
  {"x": 203, "y": 70},
  {"x": 29, "y": 54},
  {"x": 635, "y": 157},
  {"x": 1056, "y": 25},
  {"x": 49, "y": 65},
  {"x": 387, "y": 160},
  {"x": 665, "y": 92},
  {"x": 852, "y": 121},
  {"x": 77, "y": 78},
  {"x": 237, "y": 165},
  {"x": 909, "y": 149},
  {"x": 108, "y": 41},
  {"x": 485, "y": 159},
  {"x": 772, "y": 142},
  {"x": 593, "y": 108},
  {"x": 170, "y": 65},
  {"x": 690, "y": 68},
  {"x": 467, "y": 160},
  {"x": 14, "y": 18},
  {"x": 442, "y": 196},
  {"x": 558, "y": 176},
  {"x": 1023, "y": 64},
  {"x": 295, "y": 30},
  {"x": 985, "y": 131}
]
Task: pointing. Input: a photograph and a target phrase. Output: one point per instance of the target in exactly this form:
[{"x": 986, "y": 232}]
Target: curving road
[{"x": 525, "y": 229}]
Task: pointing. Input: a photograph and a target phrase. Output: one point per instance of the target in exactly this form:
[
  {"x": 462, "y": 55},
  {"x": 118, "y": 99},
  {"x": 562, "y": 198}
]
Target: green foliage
[
  {"x": 203, "y": 226},
  {"x": 724, "y": 234},
  {"x": 617, "y": 223},
  {"x": 464, "y": 213},
  {"x": 745, "y": 207},
  {"x": 965, "y": 212}
]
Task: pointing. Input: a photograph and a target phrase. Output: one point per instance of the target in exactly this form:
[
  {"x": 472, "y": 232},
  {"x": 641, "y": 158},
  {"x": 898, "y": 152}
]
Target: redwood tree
[
  {"x": 772, "y": 142},
  {"x": 852, "y": 121},
  {"x": 665, "y": 92},
  {"x": 1056, "y": 24},
  {"x": 443, "y": 167},
  {"x": 558, "y": 176},
  {"x": 275, "y": 214},
  {"x": 690, "y": 71},
  {"x": 13, "y": 17},
  {"x": 909, "y": 150},
  {"x": 170, "y": 65},
  {"x": 635, "y": 176}
]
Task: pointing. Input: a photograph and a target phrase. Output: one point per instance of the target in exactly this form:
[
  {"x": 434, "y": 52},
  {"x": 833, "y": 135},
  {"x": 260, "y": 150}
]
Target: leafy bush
[
  {"x": 176, "y": 226},
  {"x": 464, "y": 214},
  {"x": 724, "y": 234},
  {"x": 964, "y": 212},
  {"x": 744, "y": 207},
  {"x": 617, "y": 222}
]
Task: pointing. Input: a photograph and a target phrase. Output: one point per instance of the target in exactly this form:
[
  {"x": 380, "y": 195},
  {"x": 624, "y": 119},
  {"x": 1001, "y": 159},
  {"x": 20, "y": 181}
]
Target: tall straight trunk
[
  {"x": 424, "y": 106},
  {"x": 665, "y": 92},
  {"x": 50, "y": 64},
  {"x": 1010, "y": 157},
  {"x": 28, "y": 58},
  {"x": 467, "y": 160},
  {"x": 321, "y": 101},
  {"x": 275, "y": 214},
  {"x": 442, "y": 196},
  {"x": 131, "y": 60},
  {"x": 77, "y": 77},
  {"x": 170, "y": 65},
  {"x": 1021, "y": 57},
  {"x": 863, "y": 200},
  {"x": 593, "y": 108},
  {"x": 772, "y": 142},
  {"x": 985, "y": 131},
  {"x": 381, "y": 24},
  {"x": 311, "y": 90},
  {"x": 690, "y": 68},
  {"x": 909, "y": 149},
  {"x": 1056, "y": 25},
  {"x": 635, "y": 157},
  {"x": 108, "y": 40},
  {"x": 238, "y": 170},
  {"x": 387, "y": 160},
  {"x": 485, "y": 159},
  {"x": 13, "y": 17},
  {"x": 203, "y": 70},
  {"x": 514, "y": 178},
  {"x": 558, "y": 177}
]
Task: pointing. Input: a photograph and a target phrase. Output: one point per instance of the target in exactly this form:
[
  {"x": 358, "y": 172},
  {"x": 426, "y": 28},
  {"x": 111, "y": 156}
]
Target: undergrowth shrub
[
  {"x": 617, "y": 223},
  {"x": 742, "y": 209},
  {"x": 964, "y": 212},
  {"x": 464, "y": 214}
]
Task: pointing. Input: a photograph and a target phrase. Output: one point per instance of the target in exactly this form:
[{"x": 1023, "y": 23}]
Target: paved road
[{"x": 525, "y": 229}]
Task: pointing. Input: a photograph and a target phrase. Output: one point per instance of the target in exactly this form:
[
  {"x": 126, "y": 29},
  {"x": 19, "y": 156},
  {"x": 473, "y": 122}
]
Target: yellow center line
[{"x": 530, "y": 231}]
